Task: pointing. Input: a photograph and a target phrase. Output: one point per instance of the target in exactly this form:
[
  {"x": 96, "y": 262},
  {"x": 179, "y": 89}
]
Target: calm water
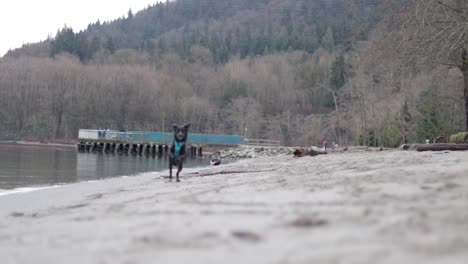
[{"x": 34, "y": 166}]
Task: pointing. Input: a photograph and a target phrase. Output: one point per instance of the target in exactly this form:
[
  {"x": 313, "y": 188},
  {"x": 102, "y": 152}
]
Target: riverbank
[{"x": 366, "y": 207}]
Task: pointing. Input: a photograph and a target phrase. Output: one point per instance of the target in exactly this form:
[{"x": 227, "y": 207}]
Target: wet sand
[{"x": 366, "y": 207}]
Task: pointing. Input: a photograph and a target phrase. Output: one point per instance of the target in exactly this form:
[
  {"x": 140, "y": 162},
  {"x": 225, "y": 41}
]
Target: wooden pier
[{"x": 147, "y": 143}]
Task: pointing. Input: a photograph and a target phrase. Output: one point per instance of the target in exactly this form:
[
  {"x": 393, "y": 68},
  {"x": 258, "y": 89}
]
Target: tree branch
[{"x": 450, "y": 7}]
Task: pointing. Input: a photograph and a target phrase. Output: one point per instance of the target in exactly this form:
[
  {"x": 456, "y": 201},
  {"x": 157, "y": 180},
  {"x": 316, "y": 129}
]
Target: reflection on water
[
  {"x": 91, "y": 165},
  {"x": 25, "y": 166}
]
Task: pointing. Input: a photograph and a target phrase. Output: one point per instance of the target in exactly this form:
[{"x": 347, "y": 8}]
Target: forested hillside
[
  {"x": 294, "y": 70},
  {"x": 226, "y": 27}
]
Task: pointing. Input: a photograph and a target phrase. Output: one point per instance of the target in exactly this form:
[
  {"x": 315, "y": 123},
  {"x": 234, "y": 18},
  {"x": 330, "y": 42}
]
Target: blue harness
[{"x": 177, "y": 148}]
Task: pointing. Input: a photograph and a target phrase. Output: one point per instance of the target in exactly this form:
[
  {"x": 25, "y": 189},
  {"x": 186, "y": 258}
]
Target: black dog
[{"x": 177, "y": 153}]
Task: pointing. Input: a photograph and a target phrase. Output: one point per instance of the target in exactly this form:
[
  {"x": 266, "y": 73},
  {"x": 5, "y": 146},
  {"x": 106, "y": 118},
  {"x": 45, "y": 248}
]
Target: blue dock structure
[{"x": 148, "y": 143}]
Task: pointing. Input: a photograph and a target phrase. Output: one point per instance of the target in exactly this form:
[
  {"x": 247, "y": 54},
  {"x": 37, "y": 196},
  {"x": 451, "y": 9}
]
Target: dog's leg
[
  {"x": 179, "y": 168},
  {"x": 170, "y": 168}
]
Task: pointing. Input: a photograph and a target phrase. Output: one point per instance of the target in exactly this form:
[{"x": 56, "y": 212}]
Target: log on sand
[
  {"x": 313, "y": 151},
  {"x": 441, "y": 147}
]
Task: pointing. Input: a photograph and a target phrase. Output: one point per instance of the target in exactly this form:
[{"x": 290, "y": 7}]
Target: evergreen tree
[
  {"x": 95, "y": 44},
  {"x": 328, "y": 40},
  {"x": 430, "y": 123},
  {"x": 65, "y": 41},
  {"x": 337, "y": 80},
  {"x": 406, "y": 119},
  {"x": 110, "y": 46},
  {"x": 338, "y": 73},
  {"x": 130, "y": 14}
]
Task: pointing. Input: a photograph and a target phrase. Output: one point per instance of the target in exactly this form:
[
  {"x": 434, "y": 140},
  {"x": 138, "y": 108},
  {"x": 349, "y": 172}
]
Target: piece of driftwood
[
  {"x": 410, "y": 146},
  {"x": 313, "y": 151},
  {"x": 300, "y": 153},
  {"x": 442, "y": 147},
  {"x": 405, "y": 147},
  {"x": 441, "y": 140}
]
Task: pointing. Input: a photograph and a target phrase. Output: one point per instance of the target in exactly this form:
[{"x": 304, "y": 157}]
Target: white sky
[{"x": 27, "y": 21}]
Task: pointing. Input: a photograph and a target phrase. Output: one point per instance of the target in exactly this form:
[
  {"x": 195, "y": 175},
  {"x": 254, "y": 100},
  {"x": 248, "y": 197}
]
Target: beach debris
[
  {"x": 405, "y": 147},
  {"x": 95, "y": 196},
  {"x": 312, "y": 151},
  {"x": 76, "y": 206},
  {"x": 300, "y": 153},
  {"x": 448, "y": 186},
  {"x": 440, "y": 147},
  {"x": 224, "y": 172},
  {"x": 246, "y": 235},
  {"x": 21, "y": 214},
  {"x": 17, "y": 214},
  {"x": 441, "y": 140},
  {"x": 308, "y": 222},
  {"x": 246, "y": 152}
]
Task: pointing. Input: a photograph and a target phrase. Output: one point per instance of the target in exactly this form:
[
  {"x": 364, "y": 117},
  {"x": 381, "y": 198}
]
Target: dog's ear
[
  {"x": 187, "y": 126},
  {"x": 175, "y": 126}
]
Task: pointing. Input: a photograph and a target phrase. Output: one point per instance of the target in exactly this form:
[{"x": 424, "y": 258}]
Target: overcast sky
[{"x": 26, "y": 21}]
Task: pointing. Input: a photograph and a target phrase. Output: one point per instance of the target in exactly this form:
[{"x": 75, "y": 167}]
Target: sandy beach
[{"x": 364, "y": 207}]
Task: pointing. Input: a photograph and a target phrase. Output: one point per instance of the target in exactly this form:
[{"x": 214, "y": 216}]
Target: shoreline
[
  {"x": 364, "y": 207},
  {"x": 37, "y": 143},
  {"x": 33, "y": 188}
]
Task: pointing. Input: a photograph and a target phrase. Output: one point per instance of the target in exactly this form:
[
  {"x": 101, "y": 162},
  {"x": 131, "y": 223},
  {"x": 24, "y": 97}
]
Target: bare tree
[{"x": 429, "y": 32}]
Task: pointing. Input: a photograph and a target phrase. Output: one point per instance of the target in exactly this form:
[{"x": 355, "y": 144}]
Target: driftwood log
[
  {"x": 405, "y": 147},
  {"x": 441, "y": 140},
  {"x": 313, "y": 151},
  {"x": 441, "y": 147}
]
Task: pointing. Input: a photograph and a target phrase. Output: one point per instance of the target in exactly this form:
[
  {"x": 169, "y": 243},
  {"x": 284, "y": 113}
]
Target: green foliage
[
  {"x": 328, "y": 101},
  {"x": 130, "y": 14},
  {"x": 3, "y": 122},
  {"x": 430, "y": 122},
  {"x": 370, "y": 139},
  {"x": 41, "y": 129},
  {"x": 234, "y": 89},
  {"x": 459, "y": 138},
  {"x": 406, "y": 121},
  {"x": 110, "y": 46},
  {"x": 328, "y": 40},
  {"x": 77, "y": 44},
  {"x": 338, "y": 73},
  {"x": 390, "y": 131},
  {"x": 337, "y": 80},
  {"x": 223, "y": 27},
  {"x": 373, "y": 140}
]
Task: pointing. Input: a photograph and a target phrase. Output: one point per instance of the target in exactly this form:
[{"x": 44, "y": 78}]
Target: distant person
[
  {"x": 215, "y": 159},
  {"x": 325, "y": 144}
]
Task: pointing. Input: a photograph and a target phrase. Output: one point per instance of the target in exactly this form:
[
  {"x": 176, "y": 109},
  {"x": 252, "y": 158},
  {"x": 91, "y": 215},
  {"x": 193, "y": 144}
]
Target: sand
[{"x": 366, "y": 207}]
